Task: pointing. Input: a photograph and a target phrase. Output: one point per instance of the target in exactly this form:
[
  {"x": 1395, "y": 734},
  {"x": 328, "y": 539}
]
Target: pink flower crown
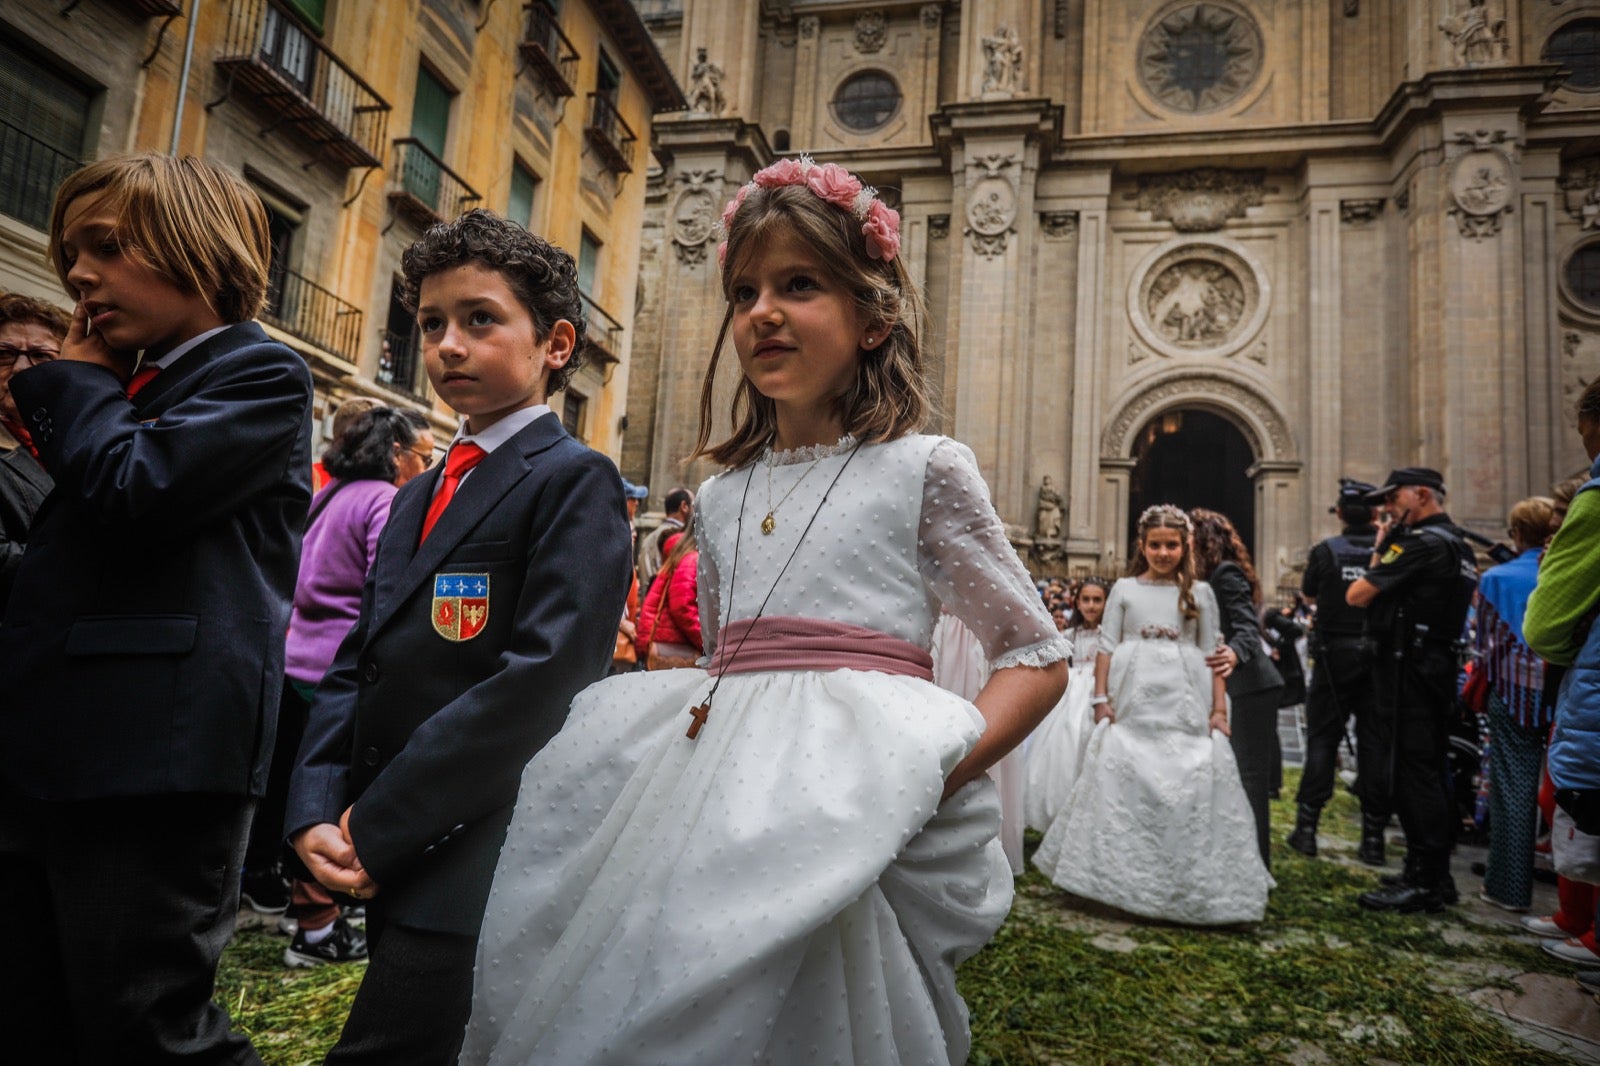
[{"x": 880, "y": 223}]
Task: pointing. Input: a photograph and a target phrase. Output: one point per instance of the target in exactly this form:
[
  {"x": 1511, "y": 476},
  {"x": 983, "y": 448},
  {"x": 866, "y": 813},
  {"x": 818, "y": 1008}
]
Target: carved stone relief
[
  {"x": 1580, "y": 186},
  {"x": 931, "y": 14},
  {"x": 1167, "y": 49},
  {"x": 871, "y": 32},
  {"x": 1198, "y": 298},
  {"x": 705, "y": 86},
  {"x": 694, "y": 213},
  {"x": 1476, "y": 30},
  {"x": 1359, "y": 212},
  {"x": 1482, "y": 181},
  {"x": 1263, "y": 427},
  {"x": 808, "y": 27},
  {"x": 1062, "y": 16},
  {"x": 938, "y": 226},
  {"x": 1058, "y": 225},
  {"x": 992, "y": 205},
  {"x": 1573, "y": 356},
  {"x": 1203, "y": 199},
  {"x": 1002, "y": 65}
]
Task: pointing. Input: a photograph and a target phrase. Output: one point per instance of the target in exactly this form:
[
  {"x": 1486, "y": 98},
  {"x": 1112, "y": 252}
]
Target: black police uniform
[
  {"x": 1425, "y": 576},
  {"x": 1341, "y": 686}
]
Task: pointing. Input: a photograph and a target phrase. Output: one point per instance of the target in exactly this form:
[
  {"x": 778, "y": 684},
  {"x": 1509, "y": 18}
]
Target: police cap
[
  {"x": 1408, "y": 475},
  {"x": 1352, "y": 493}
]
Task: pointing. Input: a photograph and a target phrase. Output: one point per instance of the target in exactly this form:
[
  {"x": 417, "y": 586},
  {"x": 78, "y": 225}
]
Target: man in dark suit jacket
[
  {"x": 31, "y": 332},
  {"x": 494, "y": 598}
]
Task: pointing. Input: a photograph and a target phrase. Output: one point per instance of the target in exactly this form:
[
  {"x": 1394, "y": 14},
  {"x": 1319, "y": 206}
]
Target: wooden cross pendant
[{"x": 699, "y": 714}]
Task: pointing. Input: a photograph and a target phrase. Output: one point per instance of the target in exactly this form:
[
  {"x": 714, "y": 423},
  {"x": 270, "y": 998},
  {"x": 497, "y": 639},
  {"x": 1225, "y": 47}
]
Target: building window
[
  {"x": 609, "y": 79},
  {"x": 588, "y": 263},
  {"x": 524, "y": 185},
  {"x": 400, "y": 358},
  {"x": 866, "y": 101},
  {"x": 44, "y": 121},
  {"x": 1582, "y": 275},
  {"x": 1199, "y": 57},
  {"x": 1576, "y": 46},
  {"x": 572, "y": 412}
]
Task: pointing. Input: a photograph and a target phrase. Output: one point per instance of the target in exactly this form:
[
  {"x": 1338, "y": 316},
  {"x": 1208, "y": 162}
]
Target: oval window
[
  {"x": 866, "y": 100},
  {"x": 1582, "y": 275},
  {"x": 1576, "y": 46}
]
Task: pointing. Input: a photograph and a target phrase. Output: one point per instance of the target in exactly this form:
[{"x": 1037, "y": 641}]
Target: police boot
[
  {"x": 1304, "y": 837},
  {"x": 1371, "y": 850},
  {"x": 1420, "y": 888}
]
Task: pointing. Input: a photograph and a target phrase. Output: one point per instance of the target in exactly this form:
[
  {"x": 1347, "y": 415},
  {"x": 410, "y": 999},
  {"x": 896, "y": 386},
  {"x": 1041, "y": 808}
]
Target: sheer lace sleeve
[
  {"x": 709, "y": 592},
  {"x": 1111, "y": 624},
  {"x": 1208, "y": 627},
  {"x": 967, "y": 562}
]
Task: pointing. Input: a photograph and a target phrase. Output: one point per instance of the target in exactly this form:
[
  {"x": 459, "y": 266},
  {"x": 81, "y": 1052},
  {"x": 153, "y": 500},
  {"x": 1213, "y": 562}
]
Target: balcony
[
  {"x": 152, "y": 8},
  {"x": 424, "y": 189},
  {"x": 611, "y": 137},
  {"x": 30, "y": 172},
  {"x": 269, "y": 55},
  {"x": 604, "y": 333},
  {"x": 546, "y": 49},
  {"x": 400, "y": 366},
  {"x": 297, "y": 305}
]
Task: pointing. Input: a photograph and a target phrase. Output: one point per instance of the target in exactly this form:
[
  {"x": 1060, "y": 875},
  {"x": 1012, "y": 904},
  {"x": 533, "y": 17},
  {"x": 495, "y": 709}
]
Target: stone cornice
[
  {"x": 728, "y": 134},
  {"x": 1526, "y": 89},
  {"x": 954, "y": 122}
]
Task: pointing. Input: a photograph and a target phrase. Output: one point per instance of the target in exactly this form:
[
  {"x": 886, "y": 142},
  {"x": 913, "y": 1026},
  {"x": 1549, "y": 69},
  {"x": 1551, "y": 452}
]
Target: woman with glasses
[{"x": 30, "y": 332}]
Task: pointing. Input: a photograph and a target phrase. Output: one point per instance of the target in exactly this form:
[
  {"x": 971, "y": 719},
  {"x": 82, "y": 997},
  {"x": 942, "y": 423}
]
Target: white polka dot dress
[{"x": 786, "y": 887}]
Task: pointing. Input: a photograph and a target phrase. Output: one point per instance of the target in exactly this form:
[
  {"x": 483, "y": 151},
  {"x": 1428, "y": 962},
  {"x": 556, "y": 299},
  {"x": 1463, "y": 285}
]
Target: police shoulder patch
[
  {"x": 1394, "y": 552},
  {"x": 460, "y": 605}
]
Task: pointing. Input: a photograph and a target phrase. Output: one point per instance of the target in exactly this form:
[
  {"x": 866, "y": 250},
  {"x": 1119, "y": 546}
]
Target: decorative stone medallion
[
  {"x": 694, "y": 213},
  {"x": 1481, "y": 186},
  {"x": 1197, "y": 58},
  {"x": 1198, "y": 298},
  {"x": 992, "y": 205}
]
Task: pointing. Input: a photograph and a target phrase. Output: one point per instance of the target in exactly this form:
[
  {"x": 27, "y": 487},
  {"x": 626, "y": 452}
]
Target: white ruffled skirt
[
  {"x": 1056, "y": 751},
  {"x": 786, "y": 888}
]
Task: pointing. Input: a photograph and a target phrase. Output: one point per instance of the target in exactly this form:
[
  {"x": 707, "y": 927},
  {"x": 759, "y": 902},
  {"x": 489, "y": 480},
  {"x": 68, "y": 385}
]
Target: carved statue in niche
[
  {"x": 1477, "y": 34},
  {"x": 1051, "y": 512},
  {"x": 1196, "y": 303},
  {"x": 1002, "y": 64},
  {"x": 705, "y": 86}
]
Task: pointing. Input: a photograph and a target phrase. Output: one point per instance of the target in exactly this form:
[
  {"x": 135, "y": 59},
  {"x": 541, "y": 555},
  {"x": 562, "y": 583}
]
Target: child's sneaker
[
  {"x": 344, "y": 944},
  {"x": 264, "y": 891}
]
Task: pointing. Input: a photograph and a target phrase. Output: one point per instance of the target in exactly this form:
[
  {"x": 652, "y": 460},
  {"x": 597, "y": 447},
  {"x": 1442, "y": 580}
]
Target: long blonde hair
[
  {"x": 1166, "y": 516},
  {"x": 888, "y": 397}
]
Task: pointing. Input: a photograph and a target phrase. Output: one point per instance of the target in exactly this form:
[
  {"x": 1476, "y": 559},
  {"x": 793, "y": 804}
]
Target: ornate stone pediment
[{"x": 1203, "y": 199}]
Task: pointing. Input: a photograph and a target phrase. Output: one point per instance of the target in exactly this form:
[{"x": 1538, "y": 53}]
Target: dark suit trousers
[
  {"x": 119, "y": 910},
  {"x": 1254, "y": 724},
  {"x": 414, "y": 1001},
  {"x": 1341, "y": 686}
]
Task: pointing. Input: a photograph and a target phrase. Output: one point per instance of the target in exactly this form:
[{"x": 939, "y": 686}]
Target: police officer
[
  {"x": 1417, "y": 588},
  {"x": 1341, "y": 681}
]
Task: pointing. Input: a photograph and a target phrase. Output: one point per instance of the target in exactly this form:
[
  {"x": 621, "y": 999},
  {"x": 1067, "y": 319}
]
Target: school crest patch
[{"x": 460, "y": 605}]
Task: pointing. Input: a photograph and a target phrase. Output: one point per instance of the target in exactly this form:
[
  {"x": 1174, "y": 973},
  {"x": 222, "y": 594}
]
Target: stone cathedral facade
[{"x": 1220, "y": 253}]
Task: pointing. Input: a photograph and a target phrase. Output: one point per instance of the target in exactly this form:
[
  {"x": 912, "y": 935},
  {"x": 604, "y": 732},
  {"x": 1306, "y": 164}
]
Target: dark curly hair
[
  {"x": 1216, "y": 541},
  {"x": 543, "y": 277},
  {"x": 365, "y": 451}
]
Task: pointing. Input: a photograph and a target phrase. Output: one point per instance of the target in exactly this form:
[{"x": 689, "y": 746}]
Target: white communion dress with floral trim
[
  {"x": 787, "y": 887},
  {"x": 1158, "y": 823},
  {"x": 1056, "y": 751}
]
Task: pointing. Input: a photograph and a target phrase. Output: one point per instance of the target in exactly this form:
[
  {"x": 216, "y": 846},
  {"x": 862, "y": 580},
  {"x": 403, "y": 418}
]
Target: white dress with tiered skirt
[
  {"x": 1057, "y": 747},
  {"x": 1158, "y": 823},
  {"x": 788, "y": 886}
]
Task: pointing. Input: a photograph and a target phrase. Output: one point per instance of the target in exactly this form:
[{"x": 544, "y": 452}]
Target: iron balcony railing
[
  {"x": 153, "y": 7},
  {"x": 298, "y": 305},
  {"x": 546, "y": 49},
  {"x": 270, "y": 55},
  {"x": 604, "y": 332},
  {"x": 30, "y": 171},
  {"x": 400, "y": 365},
  {"x": 612, "y": 138},
  {"x": 658, "y": 9},
  {"x": 426, "y": 190}
]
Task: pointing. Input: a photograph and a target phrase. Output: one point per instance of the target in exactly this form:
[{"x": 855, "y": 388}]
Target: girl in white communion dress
[
  {"x": 1056, "y": 749},
  {"x": 782, "y": 858},
  {"x": 1158, "y": 823}
]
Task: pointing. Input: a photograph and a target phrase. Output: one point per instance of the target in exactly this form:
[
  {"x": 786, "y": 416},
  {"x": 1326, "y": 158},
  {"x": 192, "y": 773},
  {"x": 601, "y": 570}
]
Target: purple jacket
[{"x": 334, "y": 560}]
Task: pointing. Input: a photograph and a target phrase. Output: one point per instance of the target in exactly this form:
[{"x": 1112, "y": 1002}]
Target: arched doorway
[{"x": 1194, "y": 458}]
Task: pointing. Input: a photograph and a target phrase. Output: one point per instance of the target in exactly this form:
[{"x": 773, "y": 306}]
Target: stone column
[
  {"x": 1094, "y": 518},
  {"x": 1323, "y": 435}
]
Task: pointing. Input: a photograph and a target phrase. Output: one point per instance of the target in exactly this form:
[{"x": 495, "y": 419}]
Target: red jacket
[{"x": 679, "y": 621}]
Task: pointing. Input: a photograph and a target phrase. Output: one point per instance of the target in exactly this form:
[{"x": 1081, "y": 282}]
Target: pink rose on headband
[
  {"x": 834, "y": 184},
  {"x": 733, "y": 207},
  {"x": 783, "y": 172},
  {"x": 882, "y": 230}
]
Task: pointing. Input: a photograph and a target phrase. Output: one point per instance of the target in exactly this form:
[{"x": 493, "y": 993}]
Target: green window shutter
[
  {"x": 430, "y": 114},
  {"x": 588, "y": 260},
  {"x": 519, "y": 208},
  {"x": 313, "y": 11}
]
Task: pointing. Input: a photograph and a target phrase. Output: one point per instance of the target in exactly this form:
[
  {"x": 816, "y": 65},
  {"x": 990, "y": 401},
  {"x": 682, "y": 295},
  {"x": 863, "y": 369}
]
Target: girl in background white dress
[
  {"x": 1158, "y": 823},
  {"x": 1056, "y": 749},
  {"x": 783, "y": 858}
]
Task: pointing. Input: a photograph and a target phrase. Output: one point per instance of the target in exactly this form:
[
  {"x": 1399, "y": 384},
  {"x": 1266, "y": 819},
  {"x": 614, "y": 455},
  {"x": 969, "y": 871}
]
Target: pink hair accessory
[{"x": 880, "y": 223}]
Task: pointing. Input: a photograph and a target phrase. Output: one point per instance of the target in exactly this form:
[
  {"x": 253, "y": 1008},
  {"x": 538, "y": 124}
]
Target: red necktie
[
  {"x": 141, "y": 379},
  {"x": 24, "y": 438},
  {"x": 464, "y": 455}
]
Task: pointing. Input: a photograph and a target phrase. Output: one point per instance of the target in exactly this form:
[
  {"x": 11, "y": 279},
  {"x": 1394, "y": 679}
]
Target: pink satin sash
[{"x": 789, "y": 643}]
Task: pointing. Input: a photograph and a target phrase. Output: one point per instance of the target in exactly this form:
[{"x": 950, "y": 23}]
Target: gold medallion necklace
[{"x": 769, "y": 523}]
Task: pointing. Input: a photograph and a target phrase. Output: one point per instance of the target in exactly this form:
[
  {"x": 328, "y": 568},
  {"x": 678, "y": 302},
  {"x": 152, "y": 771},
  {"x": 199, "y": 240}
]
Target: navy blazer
[
  {"x": 1241, "y": 631},
  {"x": 142, "y": 647},
  {"x": 426, "y": 733}
]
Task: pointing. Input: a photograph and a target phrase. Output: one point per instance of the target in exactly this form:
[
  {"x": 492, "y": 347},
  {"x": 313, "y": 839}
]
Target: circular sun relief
[{"x": 1199, "y": 57}]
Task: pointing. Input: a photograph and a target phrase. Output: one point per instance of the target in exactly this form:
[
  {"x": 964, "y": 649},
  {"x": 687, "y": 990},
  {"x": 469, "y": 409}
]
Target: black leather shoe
[
  {"x": 1304, "y": 837},
  {"x": 1402, "y": 899}
]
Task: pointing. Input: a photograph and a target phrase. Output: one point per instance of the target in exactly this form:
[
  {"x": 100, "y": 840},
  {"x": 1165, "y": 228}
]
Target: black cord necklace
[{"x": 702, "y": 712}]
